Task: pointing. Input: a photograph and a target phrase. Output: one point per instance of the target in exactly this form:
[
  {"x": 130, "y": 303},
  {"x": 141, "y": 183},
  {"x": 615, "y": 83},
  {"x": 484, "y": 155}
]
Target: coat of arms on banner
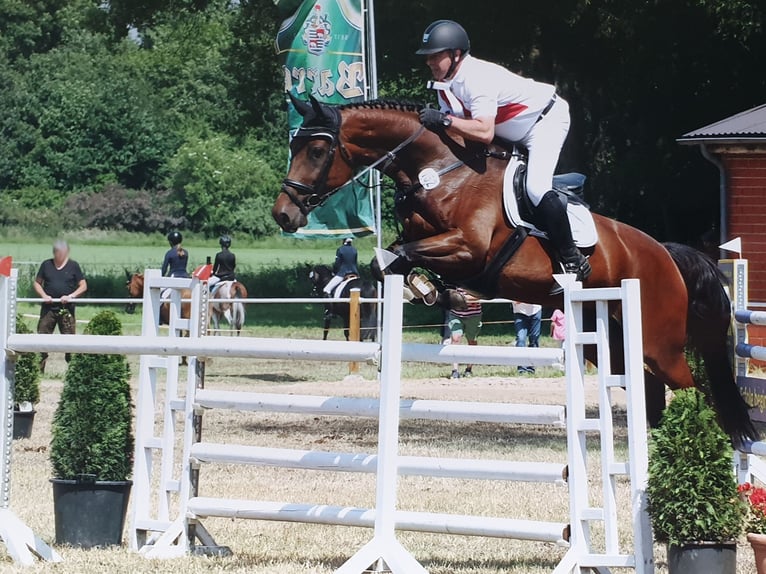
[{"x": 316, "y": 32}]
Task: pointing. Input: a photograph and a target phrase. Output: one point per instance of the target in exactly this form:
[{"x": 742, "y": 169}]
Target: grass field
[{"x": 135, "y": 253}]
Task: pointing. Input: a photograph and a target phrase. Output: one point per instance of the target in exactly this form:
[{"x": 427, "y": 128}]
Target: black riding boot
[{"x": 553, "y": 218}]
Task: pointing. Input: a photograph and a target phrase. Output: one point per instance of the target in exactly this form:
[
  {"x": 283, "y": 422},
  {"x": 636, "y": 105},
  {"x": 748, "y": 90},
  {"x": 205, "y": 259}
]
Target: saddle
[
  {"x": 520, "y": 211},
  {"x": 337, "y": 292}
]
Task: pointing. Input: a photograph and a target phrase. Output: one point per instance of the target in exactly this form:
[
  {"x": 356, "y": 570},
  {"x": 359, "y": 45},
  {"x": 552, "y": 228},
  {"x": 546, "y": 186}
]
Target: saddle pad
[
  {"x": 227, "y": 285},
  {"x": 338, "y": 291},
  {"x": 580, "y": 218}
]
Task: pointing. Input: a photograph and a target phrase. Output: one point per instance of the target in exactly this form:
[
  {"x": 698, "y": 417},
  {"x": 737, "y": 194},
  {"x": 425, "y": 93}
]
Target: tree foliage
[{"x": 103, "y": 94}]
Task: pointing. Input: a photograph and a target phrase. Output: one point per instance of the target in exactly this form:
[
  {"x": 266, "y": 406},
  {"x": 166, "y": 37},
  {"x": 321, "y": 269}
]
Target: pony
[
  {"x": 457, "y": 229},
  {"x": 135, "y": 285},
  {"x": 320, "y": 275},
  {"x": 234, "y": 313}
]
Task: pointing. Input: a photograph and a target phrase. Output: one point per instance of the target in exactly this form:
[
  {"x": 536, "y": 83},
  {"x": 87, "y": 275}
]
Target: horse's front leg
[
  {"x": 453, "y": 254},
  {"x": 326, "y": 324}
]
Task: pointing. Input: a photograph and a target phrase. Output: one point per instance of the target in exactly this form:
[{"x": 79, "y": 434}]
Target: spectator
[
  {"x": 558, "y": 330},
  {"x": 527, "y": 318},
  {"x": 59, "y": 278},
  {"x": 558, "y": 325},
  {"x": 464, "y": 321},
  {"x": 176, "y": 258},
  {"x": 345, "y": 265},
  {"x": 224, "y": 265}
]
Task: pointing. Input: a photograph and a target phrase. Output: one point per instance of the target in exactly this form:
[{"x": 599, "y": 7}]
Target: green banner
[{"x": 322, "y": 45}]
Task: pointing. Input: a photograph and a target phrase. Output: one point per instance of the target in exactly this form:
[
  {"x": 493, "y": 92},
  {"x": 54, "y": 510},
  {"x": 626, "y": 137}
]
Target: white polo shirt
[{"x": 481, "y": 89}]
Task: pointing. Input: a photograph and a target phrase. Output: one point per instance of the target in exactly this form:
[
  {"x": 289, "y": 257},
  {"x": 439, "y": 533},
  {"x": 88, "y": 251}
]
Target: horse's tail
[
  {"x": 707, "y": 326},
  {"x": 238, "y": 308}
]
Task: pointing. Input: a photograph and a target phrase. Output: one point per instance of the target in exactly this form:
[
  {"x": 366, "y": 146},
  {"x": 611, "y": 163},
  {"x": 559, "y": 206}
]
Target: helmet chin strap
[{"x": 455, "y": 61}]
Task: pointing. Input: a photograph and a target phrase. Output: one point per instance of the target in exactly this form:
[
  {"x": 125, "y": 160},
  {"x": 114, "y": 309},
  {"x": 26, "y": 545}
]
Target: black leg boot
[{"x": 554, "y": 221}]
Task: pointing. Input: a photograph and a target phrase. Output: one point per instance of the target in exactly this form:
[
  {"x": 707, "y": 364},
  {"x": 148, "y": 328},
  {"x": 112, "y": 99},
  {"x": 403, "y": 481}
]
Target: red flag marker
[
  {"x": 203, "y": 272},
  {"x": 5, "y": 266}
]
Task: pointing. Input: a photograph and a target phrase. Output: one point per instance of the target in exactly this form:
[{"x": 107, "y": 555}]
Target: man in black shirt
[{"x": 59, "y": 278}]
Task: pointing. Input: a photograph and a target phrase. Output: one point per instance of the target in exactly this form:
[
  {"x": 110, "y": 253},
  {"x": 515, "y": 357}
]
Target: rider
[
  {"x": 225, "y": 263},
  {"x": 479, "y": 100},
  {"x": 176, "y": 257},
  {"x": 345, "y": 264}
]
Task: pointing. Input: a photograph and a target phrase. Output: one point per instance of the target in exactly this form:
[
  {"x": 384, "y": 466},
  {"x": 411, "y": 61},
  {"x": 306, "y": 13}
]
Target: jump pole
[
  {"x": 22, "y": 544},
  {"x": 354, "y": 325}
]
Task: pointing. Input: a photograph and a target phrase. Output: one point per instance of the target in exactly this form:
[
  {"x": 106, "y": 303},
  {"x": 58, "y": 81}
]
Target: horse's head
[
  {"x": 320, "y": 165},
  {"x": 135, "y": 284},
  {"x": 319, "y": 275}
]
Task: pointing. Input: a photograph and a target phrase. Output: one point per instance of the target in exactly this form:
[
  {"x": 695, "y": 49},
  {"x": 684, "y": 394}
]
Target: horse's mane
[{"x": 396, "y": 105}]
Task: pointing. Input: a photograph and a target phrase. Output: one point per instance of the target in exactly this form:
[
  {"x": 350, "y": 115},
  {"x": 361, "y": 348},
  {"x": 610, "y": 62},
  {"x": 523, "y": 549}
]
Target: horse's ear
[
  {"x": 301, "y": 106},
  {"x": 127, "y": 274},
  {"x": 317, "y": 106}
]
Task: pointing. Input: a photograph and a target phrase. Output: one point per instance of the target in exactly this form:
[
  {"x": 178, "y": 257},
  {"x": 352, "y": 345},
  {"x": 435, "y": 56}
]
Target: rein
[{"x": 315, "y": 193}]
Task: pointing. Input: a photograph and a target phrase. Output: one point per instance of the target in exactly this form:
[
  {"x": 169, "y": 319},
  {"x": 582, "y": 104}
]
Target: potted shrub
[
  {"x": 92, "y": 446},
  {"x": 692, "y": 492},
  {"x": 755, "y": 522},
  {"x": 26, "y": 392}
]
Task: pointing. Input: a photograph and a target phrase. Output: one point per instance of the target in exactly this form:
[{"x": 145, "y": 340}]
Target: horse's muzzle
[{"x": 287, "y": 215}]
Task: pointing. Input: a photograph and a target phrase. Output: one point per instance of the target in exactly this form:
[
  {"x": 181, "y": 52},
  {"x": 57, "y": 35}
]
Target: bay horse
[
  {"x": 135, "y": 284},
  {"x": 320, "y": 276},
  {"x": 457, "y": 227},
  {"x": 234, "y": 313}
]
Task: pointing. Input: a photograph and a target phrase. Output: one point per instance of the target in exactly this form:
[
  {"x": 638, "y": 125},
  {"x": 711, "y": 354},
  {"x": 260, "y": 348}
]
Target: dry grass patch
[{"x": 281, "y": 548}]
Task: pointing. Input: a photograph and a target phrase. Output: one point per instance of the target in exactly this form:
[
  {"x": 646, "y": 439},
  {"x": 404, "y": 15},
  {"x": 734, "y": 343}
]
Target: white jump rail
[{"x": 172, "y": 528}]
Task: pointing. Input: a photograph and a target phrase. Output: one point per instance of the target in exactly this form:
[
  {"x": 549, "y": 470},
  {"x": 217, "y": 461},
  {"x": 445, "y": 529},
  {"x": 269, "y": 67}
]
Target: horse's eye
[{"x": 316, "y": 152}]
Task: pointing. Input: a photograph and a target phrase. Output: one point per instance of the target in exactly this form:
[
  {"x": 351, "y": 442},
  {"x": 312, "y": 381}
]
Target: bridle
[{"x": 316, "y": 193}]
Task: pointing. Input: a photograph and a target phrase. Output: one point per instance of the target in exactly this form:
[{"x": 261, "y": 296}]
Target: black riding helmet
[
  {"x": 175, "y": 238},
  {"x": 225, "y": 241},
  {"x": 444, "y": 35}
]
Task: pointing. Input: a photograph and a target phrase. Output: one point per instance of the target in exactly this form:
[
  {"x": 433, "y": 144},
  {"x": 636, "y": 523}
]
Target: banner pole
[{"x": 372, "y": 79}]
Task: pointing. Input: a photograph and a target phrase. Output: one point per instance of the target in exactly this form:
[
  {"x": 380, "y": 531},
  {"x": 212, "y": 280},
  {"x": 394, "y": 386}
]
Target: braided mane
[{"x": 383, "y": 105}]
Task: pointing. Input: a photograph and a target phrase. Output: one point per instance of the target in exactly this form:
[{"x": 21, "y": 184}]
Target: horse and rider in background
[
  {"x": 224, "y": 288},
  {"x": 321, "y": 276}
]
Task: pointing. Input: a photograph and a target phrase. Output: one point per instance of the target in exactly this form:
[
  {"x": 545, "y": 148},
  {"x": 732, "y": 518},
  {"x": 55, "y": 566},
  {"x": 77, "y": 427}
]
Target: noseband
[{"x": 316, "y": 194}]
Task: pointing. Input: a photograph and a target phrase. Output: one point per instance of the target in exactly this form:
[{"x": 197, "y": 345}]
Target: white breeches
[
  {"x": 544, "y": 141},
  {"x": 332, "y": 284}
]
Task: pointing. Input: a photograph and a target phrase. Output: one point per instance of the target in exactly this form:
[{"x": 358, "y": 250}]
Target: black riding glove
[{"x": 434, "y": 120}]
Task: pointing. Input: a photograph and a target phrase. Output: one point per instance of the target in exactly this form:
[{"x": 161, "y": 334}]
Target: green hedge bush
[
  {"x": 91, "y": 429},
  {"x": 692, "y": 489},
  {"x": 27, "y": 374}
]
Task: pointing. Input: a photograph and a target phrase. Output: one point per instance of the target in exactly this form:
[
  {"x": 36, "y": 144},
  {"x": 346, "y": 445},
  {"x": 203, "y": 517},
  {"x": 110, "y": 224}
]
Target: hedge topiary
[
  {"x": 91, "y": 428},
  {"x": 692, "y": 490},
  {"x": 27, "y": 387}
]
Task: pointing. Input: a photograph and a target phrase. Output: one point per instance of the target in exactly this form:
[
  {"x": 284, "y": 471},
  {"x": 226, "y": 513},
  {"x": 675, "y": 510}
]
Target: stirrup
[{"x": 580, "y": 267}]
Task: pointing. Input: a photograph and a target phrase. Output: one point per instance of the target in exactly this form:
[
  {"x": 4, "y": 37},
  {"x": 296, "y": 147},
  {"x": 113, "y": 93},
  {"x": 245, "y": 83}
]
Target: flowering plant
[{"x": 755, "y": 497}]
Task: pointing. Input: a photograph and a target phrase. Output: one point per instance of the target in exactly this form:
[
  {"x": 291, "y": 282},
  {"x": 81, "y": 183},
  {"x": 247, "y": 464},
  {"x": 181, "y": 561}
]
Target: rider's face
[{"x": 439, "y": 64}]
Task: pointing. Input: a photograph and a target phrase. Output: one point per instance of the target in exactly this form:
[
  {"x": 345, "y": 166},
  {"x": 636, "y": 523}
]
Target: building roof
[{"x": 747, "y": 126}]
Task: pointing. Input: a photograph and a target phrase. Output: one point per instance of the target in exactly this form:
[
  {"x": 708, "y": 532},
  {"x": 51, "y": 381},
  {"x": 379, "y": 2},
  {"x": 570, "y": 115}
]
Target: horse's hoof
[
  {"x": 422, "y": 288},
  {"x": 452, "y": 299}
]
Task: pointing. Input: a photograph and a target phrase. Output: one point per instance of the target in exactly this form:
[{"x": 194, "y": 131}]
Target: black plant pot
[
  {"x": 22, "y": 424},
  {"x": 90, "y": 513},
  {"x": 703, "y": 558}
]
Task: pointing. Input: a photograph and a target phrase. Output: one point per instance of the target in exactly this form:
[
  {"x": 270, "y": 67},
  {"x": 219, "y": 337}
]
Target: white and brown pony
[{"x": 232, "y": 311}]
